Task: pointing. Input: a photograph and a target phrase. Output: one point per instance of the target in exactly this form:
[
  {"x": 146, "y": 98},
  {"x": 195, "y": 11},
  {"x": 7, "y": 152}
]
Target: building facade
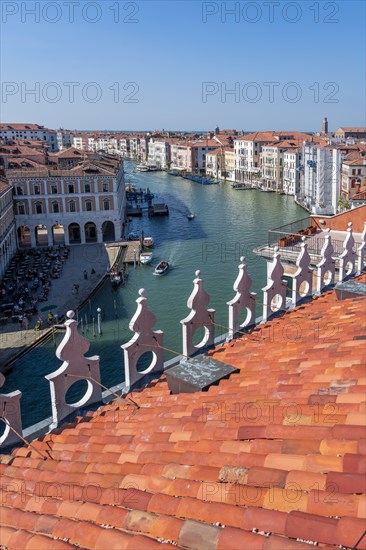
[
  {"x": 29, "y": 132},
  {"x": 8, "y": 239},
  {"x": 159, "y": 153},
  {"x": 291, "y": 172},
  {"x": 85, "y": 203}
]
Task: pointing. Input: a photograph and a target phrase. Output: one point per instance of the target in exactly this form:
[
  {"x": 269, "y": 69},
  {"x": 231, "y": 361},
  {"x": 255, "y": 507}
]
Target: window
[
  {"x": 106, "y": 204},
  {"x": 21, "y": 209},
  {"x": 88, "y": 206},
  {"x": 105, "y": 187},
  {"x": 71, "y": 188},
  {"x": 37, "y": 190},
  {"x": 72, "y": 206},
  {"x": 87, "y": 188},
  {"x": 54, "y": 189},
  {"x": 19, "y": 190},
  {"x": 55, "y": 208},
  {"x": 39, "y": 208}
]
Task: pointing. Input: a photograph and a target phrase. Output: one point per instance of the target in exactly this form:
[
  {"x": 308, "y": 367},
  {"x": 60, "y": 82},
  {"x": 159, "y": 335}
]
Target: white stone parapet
[
  {"x": 145, "y": 340},
  {"x": 361, "y": 251},
  {"x": 326, "y": 266},
  {"x": 198, "y": 317},
  {"x": 244, "y": 299},
  {"x": 274, "y": 293},
  {"x": 302, "y": 279},
  {"x": 347, "y": 260},
  {"x": 10, "y": 415},
  {"x": 74, "y": 367}
]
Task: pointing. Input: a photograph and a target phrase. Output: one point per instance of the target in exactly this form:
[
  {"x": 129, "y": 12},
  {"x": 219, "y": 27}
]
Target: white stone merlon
[
  {"x": 326, "y": 266},
  {"x": 274, "y": 293},
  {"x": 347, "y": 260},
  {"x": 199, "y": 317},
  {"x": 145, "y": 340},
  {"x": 75, "y": 367},
  {"x": 10, "y": 416},
  {"x": 302, "y": 279},
  {"x": 361, "y": 251},
  {"x": 243, "y": 300}
]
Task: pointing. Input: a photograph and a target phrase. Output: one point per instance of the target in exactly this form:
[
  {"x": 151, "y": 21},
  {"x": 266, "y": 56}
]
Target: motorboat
[
  {"x": 161, "y": 268},
  {"x": 146, "y": 257},
  {"x": 143, "y": 168},
  {"x": 191, "y": 216},
  {"x": 148, "y": 242}
]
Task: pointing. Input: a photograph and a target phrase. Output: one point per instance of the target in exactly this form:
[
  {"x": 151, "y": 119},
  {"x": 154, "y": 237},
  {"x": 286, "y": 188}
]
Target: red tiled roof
[{"x": 269, "y": 458}]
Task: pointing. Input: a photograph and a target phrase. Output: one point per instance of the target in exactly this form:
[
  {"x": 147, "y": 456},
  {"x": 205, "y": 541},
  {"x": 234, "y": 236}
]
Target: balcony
[{"x": 288, "y": 239}]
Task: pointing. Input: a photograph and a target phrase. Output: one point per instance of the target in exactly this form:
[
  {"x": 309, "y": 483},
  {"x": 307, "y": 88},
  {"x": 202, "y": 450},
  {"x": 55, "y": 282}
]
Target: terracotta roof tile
[{"x": 253, "y": 462}]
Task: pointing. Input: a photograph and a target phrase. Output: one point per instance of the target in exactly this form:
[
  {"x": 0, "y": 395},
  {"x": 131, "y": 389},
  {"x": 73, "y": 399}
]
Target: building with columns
[
  {"x": 72, "y": 201},
  {"x": 8, "y": 239}
]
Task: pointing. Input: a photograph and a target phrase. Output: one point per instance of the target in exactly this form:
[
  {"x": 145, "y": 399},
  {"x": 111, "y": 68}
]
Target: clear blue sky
[{"x": 164, "y": 53}]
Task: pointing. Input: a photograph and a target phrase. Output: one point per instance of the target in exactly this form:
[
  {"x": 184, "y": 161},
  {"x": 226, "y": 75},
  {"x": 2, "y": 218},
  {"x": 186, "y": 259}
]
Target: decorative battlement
[{"x": 76, "y": 366}]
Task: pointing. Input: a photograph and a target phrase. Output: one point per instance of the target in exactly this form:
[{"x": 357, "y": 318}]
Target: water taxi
[
  {"x": 146, "y": 257},
  {"x": 161, "y": 268}
]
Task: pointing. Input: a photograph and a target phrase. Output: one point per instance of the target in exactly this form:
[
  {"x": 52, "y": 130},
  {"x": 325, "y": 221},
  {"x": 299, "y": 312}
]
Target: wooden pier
[{"x": 130, "y": 250}]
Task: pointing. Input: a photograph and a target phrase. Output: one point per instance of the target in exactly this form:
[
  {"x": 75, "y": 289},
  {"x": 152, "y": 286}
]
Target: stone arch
[
  {"x": 74, "y": 233},
  {"x": 24, "y": 237},
  {"x": 90, "y": 232},
  {"x": 41, "y": 235},
  {"x": 108, "y": 231},
  {"x": 58, "y": 234}
]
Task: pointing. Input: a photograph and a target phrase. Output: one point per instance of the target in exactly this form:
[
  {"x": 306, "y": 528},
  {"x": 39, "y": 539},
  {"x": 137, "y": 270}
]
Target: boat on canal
[
  {"x": 161, "y": 268},
  {"x": 148, "y": 242},
  {"x": 116, "y": 279},
  {"x": 146, "y": 257},
  {"x": 191, "y": 216},
  {"x": 143, "y": 168}
]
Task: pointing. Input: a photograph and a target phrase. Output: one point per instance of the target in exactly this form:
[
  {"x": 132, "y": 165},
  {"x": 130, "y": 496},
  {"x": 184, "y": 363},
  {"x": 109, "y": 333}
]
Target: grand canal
[{"x": 228, "y": 224}]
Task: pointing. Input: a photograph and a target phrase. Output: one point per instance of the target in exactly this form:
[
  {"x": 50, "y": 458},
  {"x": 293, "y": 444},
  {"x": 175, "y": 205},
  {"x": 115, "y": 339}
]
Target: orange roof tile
[{"x": 251, "y": 463}]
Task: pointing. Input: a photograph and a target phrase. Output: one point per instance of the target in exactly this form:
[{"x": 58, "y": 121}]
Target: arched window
[
  {"x": 19, "y": 190},
  {"x": 106, "y": 204},
  {"x": 21, "y": 209},
  {"x": 87, "y": 188},
  {"x": 72, "y": 206},
  {"x": 88, "y": 206},
  {"x": 55, "y": 207},
  {"x": 39, "y": 209},
  {"x": 37, "y": 189}
]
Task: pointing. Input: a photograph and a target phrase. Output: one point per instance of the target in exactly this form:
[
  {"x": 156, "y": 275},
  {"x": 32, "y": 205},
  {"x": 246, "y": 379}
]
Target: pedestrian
[
  {"x": 50, "y": 318},
  {"x": 93, "y": 271},
  {"x": 25, "y": 322},
  {"x": 85, "y": 274}
]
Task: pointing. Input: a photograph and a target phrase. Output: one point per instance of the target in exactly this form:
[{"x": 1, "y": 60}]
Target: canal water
[{"x": 228, "y": 224}]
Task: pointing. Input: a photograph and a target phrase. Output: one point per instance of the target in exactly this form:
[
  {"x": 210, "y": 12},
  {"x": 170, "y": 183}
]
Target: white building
[
  {"x": 29, "y": 131},
  {"x": 320, "y": 188},
  {"x": 159, "y": 153},
  {"x": 64, "y": 139},
  {"x": 291, "y": 172}
]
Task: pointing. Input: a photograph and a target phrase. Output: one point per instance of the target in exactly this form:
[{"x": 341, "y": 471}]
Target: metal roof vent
[
  {"x": 350, "y": 289},
  {"x": 197, "y": 374}
]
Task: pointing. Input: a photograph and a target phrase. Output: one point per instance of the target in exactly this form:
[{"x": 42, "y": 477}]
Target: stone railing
[{"x": 145, "y": 340}]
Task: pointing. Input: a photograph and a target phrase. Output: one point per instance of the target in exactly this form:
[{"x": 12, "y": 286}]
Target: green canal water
[{"x": 228, "y": 224}]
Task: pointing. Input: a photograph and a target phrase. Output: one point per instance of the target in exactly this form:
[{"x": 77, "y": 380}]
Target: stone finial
[
  {"x": 144, "y": 340},
  {"x": 74, "y": 367},
  {"x": 347, "y": 260},
  {"x": 243, "y": 300},
  {"x": 326, "y": 266},
  {"x": 302, "y": 279},
  {"x": 10, "y": 413},
  {"x": 199, "y": 316},
  {"x": 274, "y": 293},
  {"x": 361, "y": 251}
]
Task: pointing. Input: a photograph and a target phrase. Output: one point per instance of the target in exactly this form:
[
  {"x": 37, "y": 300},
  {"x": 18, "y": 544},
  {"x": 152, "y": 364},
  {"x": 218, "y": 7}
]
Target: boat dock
[{"x": 130, "y": 250}]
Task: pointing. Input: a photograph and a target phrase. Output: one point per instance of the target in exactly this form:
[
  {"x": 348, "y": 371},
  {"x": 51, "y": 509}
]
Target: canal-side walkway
[{"x": 86, "y": 267}]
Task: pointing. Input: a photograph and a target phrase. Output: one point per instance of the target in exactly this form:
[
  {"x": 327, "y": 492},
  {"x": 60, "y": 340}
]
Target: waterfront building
[
  {"x": 8, "y": 240},
  {"x": 291, "y": 171},
  {"x": 353, "y": 174},
  {"x": 320, "y": 186},
  {"x": 71, "y": 200},
  {"x": 159, "y": 153},
  {"x": 29, "y": 132},
  {"x": 81, "y": 141},
  {"x": 247, "y": 155},
  {"x": 190, "y": 156},
  {"x": 216, "y": 163},
  {"x": 230, "y": 163},
  {"x": 343, "y": 133},
  {"x": 272, "y": 163}
]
